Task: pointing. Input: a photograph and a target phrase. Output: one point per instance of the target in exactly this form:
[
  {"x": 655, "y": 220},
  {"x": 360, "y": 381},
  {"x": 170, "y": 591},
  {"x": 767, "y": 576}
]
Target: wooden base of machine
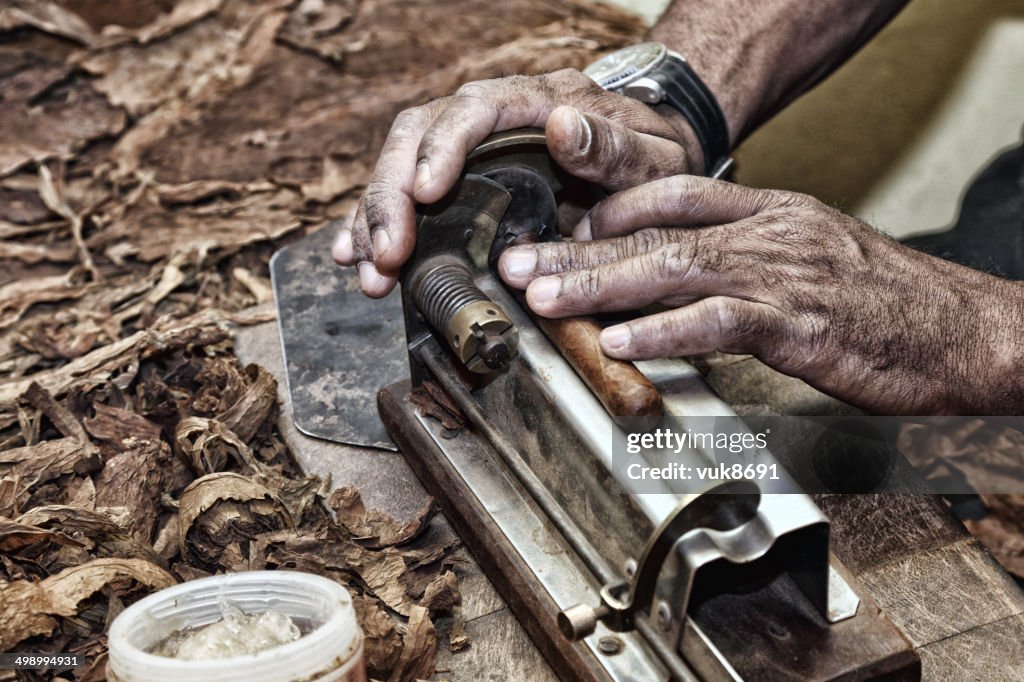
[
  {"x": 501, "y": 563},
  {"x": 760, "y": 639}
]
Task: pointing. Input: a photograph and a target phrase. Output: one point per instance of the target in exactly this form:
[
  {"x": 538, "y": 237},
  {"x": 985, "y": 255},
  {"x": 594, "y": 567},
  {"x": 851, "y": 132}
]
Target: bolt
[
  {"x": 609, "y": 645},
  {"x": 630, "y": 568},
  {"x": 664, "y": 615},
  {"x": 468, "y": 234}
]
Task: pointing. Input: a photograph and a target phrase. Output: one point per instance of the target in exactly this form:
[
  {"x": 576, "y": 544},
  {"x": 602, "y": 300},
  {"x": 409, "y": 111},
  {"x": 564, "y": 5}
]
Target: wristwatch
[{"x": 653, "y": 74}]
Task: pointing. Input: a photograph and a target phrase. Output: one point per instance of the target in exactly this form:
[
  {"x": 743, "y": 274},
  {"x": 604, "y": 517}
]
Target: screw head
[
  {"x": 630, "y": 568},
  {"x": 664, "y": 615},
  {"x": 609, "y": 645},
  {"x": 468, "y": 234}
]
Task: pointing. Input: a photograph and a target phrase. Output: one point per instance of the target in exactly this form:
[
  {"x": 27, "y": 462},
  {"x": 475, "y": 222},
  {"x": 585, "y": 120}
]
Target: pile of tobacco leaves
[{"x": 153, "y": 155}]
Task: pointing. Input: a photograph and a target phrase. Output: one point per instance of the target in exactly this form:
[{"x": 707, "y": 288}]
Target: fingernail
[
  {"x": 616, "y": 338},
  {"x": 381, "y": 242},
  {"x": 519, "y": 262},
  {"x": 422, "y": 176},
  {"x": 545, "y": 290},
  {"x": 342, "y": 250},
  {"x": 583, "y": 134},
  {"x": 367, "y": 275},
  {"x": 583, "y": 233}
]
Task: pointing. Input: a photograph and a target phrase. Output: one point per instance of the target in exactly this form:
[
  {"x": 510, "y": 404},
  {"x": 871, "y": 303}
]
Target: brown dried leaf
[
  {"x": 442, "y": 594},
  {"x": 431, "y": 401},
  {"x": 136, "y": 478},
  {"x": 46, "y": 16},
  {"x": 74, "y": 112},
  {"x": 374, "y": 528},
  {"x": 75, "y": 520},
  {"x": 120, "y": 427},
  {"x": 222, "y": 508},
  {"x": 17, "y": 297},
  {"x": 208, "y": 446},
  {"x": 419, "y": 647},
  {"x": 154, "y": 231},
  {"x": 17, "y": 535},
  {"x": 37, "y": 253},
  {"x": 10, "y": 492},
  {"x": 381, "y": 640},
  {"x": 457, "y": 637},
  {"x": 27, "y": 608},
  {"x": 102, "y": 364},
  {"x": 141, "y": 78},
  {"x": 65, "y": 422},
  {"x": 45, "y": 461},
  {"x": 252, "y": 408},
  {"x": 297, "y": 494},
  {"x": 183, "y": 13}
]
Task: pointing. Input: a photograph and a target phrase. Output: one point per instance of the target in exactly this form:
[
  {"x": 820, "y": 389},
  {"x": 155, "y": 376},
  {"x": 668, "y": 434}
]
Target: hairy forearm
[{"x": 759, "y": 55}]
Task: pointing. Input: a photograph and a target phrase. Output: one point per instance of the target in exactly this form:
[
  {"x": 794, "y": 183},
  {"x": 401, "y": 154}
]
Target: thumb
[{"x": 606, "y": 152}]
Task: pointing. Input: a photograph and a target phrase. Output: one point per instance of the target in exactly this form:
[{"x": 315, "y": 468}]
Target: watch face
[{"x": 619, "y": 68}]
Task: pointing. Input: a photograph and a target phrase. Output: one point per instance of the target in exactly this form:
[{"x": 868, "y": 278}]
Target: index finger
[
  {"x": 390, "y": 210},
  {"x": 677, "y": 201}
]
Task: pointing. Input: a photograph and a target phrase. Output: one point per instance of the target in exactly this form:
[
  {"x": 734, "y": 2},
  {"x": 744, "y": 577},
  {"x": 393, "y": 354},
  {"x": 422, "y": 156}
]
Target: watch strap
[{"x": 687, "y": 93}]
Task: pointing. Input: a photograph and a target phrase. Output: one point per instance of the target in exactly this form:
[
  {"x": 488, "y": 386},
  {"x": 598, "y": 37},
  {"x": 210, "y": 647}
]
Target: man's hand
[
  {"x": 609, "y": 139},
  {"x": 810, "y": 291}
]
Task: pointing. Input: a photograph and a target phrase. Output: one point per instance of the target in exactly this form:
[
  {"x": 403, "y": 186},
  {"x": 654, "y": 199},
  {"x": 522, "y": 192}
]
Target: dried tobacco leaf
[
  {"x": 381, "y": 640},
  {"x": 136, "y": 478},
  {"x": 208, "y": 446},
  {"x": 46, "y": 461},
  {"x": 457, "y": 637},
  {"x": 28, "y": 608},
  {"x": 46, "y": 16},
  {"x": 374, "y": 528},
  {"x": 104, "y": 363},
  {"x": 419, "y": 647},
  {"x": 120, "y": 427},
  {"x": 252, "y": 408},
  {"x": 75, "y": 114},
  {"x": 222, "y": 508},
  {"x": 442, "y": 594},
  {"x": 16, "y": 536},
  {"x": 73, "y": 520},
  {"x": 153, "y": 231},
  {"x": 182, "y": 14}
]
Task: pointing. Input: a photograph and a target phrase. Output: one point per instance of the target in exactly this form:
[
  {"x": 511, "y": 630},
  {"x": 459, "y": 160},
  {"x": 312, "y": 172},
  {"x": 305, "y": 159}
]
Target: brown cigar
[{"x": 619, "y": 385}]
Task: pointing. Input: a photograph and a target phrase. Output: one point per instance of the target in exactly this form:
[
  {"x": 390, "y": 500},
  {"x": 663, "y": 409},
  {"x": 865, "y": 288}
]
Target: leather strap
[{"x": 687, "y": 93}]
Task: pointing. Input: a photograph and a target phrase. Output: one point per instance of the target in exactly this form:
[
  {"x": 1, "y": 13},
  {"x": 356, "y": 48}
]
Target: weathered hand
[
  {"x": 810, "y": 291},
  {"x": 603, "y": 137}
]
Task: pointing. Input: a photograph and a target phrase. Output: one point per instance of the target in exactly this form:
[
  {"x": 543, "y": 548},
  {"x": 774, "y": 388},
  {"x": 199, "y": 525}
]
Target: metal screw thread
[{"x": 444, "y": 291}]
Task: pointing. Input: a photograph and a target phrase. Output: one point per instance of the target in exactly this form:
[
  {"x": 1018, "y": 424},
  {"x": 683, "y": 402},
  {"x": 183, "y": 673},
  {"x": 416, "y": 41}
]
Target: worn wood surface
[{"x": 522, "y": 591}]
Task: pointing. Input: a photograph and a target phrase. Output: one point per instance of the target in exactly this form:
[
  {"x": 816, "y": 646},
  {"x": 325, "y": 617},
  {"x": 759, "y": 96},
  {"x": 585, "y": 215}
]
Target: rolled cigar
[{"x": 619, "y": 385}]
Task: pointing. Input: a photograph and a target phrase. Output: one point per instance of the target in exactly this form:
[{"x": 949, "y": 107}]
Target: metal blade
[{"x": 339, "y": 346}]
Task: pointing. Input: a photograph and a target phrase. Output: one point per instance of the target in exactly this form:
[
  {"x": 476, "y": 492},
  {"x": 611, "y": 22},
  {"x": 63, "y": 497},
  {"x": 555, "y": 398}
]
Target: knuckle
[
  {"x": 476, "y": 90},
  {"x": 777, "y": 227},
  {"x": 640, "y": 242},
  {"x": 785, "y": 199},
  {"x": 738, "y": 324},
  {"x": 562, "y": 258},
  {"x": 672, "y": 261},
  {"x": 408, "y": 121},
  {"x": 377, "y": 201},
  {"x": 587, "y": 284}
]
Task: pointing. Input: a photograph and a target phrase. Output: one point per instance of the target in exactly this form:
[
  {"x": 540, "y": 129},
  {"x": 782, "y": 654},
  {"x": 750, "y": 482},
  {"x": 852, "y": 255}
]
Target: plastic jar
[{"x": 331, "y": 651}]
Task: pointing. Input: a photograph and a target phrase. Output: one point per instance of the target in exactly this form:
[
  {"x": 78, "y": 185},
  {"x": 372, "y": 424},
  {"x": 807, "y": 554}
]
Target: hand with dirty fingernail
[
  {"x": 812, "y": 292},
  {"x": 609, "y": 139}
]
